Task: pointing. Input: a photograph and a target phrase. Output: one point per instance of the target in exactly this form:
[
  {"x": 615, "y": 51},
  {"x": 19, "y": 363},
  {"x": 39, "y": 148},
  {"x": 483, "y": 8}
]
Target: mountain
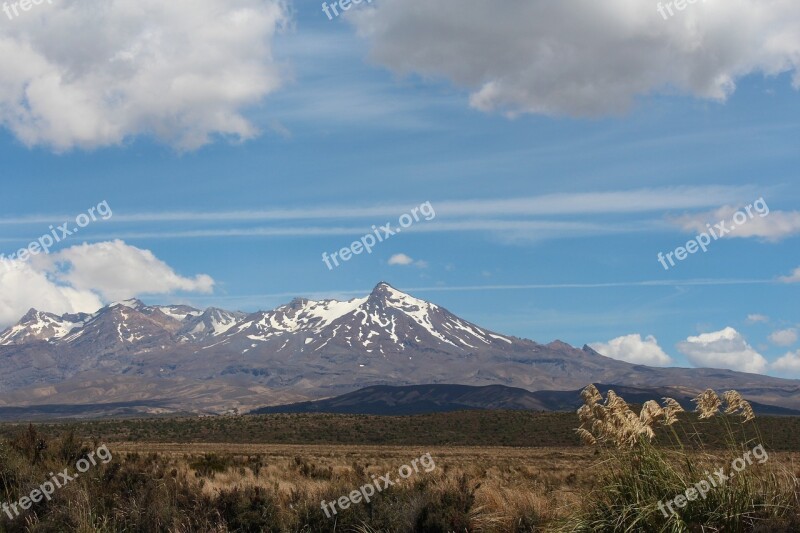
[
  {"x": 416, "y": 399},
  {"x": 181, "y": 359},
  {"x": 424, "y": 399},
  {"x": 211, "y": 323},
  {"x": 39, "y": 326}
]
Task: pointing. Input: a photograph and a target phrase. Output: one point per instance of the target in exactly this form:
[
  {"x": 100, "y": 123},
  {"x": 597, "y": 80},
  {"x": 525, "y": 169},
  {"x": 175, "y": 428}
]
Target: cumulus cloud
[
  {"x": 87, "y": 73},
  {"x": 726, "y": 348},
  {"x": 117, "y": 271},
  {"x": 405, "y": 260},
  {"x": 81, "y": 278},
  {"x": 784, "y": 337},
  {"x": 582, "y": 58},
  {"x": 23, "y": 287},
  {"x": 788, "y": 364},
  {"x": 633, "y": 349}
]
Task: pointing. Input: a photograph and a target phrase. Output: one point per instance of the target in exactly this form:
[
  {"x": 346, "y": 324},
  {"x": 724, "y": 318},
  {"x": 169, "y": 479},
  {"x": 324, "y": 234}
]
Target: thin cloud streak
[
  {"x": 611, "y": 202},
  {"x": 556, "y": 229},
  {"x": 536, "y": 286}
]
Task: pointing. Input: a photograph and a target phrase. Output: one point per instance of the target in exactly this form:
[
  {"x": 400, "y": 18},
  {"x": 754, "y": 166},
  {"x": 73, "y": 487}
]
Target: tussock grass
[{"x": 634, "y": 474}]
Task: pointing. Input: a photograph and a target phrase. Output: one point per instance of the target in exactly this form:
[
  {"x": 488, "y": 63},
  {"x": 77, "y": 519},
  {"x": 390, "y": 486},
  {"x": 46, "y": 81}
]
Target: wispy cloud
[
  {"x": 592, "y": 203},
  {"x": 511, "y": 229},
  {"x": 487, "y": 288}
]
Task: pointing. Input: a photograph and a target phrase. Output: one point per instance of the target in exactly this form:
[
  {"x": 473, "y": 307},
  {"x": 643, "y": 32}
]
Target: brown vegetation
[{"x": 242, "y": 485}]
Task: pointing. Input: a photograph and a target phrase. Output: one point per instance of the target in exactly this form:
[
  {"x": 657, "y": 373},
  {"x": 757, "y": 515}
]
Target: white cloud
[
  {"x": 775, "y": 226},
  {"x": 117, "y": 271},
  {"x": 80, "y": 278},
  {"x": 784, "y": 337},
  {"x": 400, "y": 259},
  {"x": 794, "y": 277},
  {"x": 633, "y": 349},
  {"x": 756, "y": 318},
  {"x": 86, "y": 73},
  {"x": 405, "y": 260},
  {"x": 584, "y": 203},
  {"x": 723, "y": 349},
  {"x": 581, "y": 58},
  {"x": 23, "y": 287},
  {"x": 788, "y": 364}
]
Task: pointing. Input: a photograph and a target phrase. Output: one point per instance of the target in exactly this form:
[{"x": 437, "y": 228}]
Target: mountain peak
[
  {"x": 133, "y": 303},
  {"x": 30, "y": 315},
  {"x": 382, "y": 287},
  {"x": 384, "y": 291}
]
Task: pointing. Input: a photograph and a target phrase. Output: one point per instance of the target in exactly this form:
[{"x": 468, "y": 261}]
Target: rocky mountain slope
[
  {"x": 423, "y": 399},
  {"x": 177, "y": 358}
]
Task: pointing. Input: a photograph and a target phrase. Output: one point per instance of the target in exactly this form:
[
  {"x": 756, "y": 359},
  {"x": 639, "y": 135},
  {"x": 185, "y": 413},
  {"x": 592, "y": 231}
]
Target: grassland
[
  {"x": 495, "y": 472},
  {"x": 466, "y": 428}
]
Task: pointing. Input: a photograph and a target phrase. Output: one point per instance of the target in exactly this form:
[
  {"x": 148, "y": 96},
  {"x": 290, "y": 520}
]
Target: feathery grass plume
[
  {"x": 614, "y": 422},
  {"x": 585, "y": 414},
  {"x": 708, "y": 404},
  {"x": 591, "y": 395},
  {"x": 586, "y": 436},
  {"x": 600, "y": 428},
  {"x": 670, "y": 411},
  {"x": 648, "y": 432},
  {"x": 733, "y": 401},
  {"x": 650, "y": 412},
  {"x": 614, "y": 402},
  {"x": 747, "y": 412},
  {"x": 736, "y": 404},
  {"x": 629, "y": 426},
  {"x": 637, "y": 474}
]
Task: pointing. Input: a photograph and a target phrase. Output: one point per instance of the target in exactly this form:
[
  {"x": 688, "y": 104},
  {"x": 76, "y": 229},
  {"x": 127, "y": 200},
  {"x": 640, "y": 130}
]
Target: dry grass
[
  {"x": 224, "y": 487},
  {"x": 514, "y": 487},
  {"x": 639, "y": 476}
]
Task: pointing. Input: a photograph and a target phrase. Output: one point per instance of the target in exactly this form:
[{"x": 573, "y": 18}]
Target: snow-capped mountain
[
  {"x": 177, "y": 358},
  {"x": 41, "y": 326},
  {"x": 386, "y": 322},
  {"x": 213, "y": 322},
  {"x": 119, "y": 325}
]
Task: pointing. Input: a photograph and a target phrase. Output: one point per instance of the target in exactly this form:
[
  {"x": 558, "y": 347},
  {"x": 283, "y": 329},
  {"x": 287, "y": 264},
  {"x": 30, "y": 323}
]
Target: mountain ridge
[
  {"x": 426, "y": 399},
  {"x": 215, "y": 360}
]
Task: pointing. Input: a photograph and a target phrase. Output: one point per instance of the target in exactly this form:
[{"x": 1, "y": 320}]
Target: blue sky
[{"x": 548, "y": 224}]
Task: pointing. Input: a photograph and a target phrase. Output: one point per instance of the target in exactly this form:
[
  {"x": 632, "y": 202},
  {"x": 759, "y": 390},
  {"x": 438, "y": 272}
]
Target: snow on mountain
[
  {"x": 387, "y": 321},
  {"x": 41, "y": 326},
  {"x": 391, "y": 322},
  {"x": 305, "y": 348},
  {"x": 122, "y": 327},
  {"x": 208, "y": 324},
  {"x": 179, "y": 312},
  {"x": 387, "y": 308},
  {"x": 132, "y": 303},
  {"x": 298, "y": 315}
]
